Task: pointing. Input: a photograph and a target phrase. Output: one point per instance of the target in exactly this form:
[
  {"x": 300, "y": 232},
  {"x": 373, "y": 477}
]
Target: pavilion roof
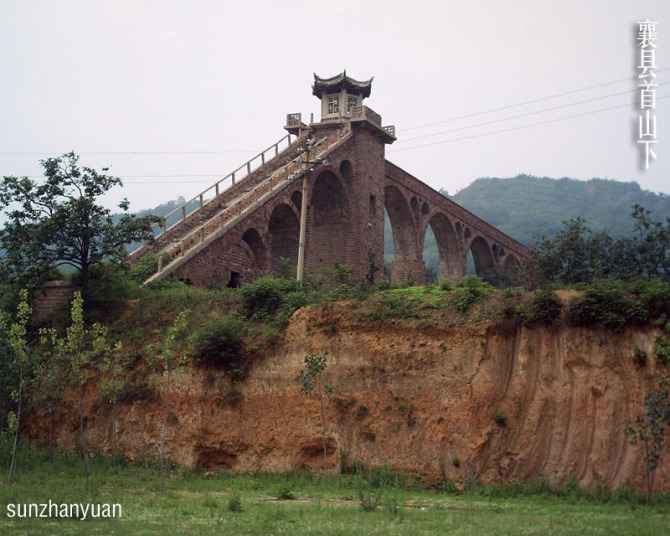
[{"x": 339, "y": 82}]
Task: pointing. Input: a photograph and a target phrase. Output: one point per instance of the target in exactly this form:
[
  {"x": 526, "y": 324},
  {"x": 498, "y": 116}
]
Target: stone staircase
[
  {"x": 194, "y": 212},
  {"x": 177, "y": 244}
]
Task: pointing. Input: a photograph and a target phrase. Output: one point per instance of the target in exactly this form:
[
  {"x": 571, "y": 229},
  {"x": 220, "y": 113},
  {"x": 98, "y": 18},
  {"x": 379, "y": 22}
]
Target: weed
[
  {"x": 662, "y": 350},
  {"x": 285, "y": 494},
  {"x": 219, "y": 342},
  {"x": 235, "y": 503},
  {"x": 469, "y": 291},
  {"x": 500, "y": 419},
  {"x": 369, "y": 500},
  {"x": 543, "y": 310},
  {"x": 608, "y": 305}
]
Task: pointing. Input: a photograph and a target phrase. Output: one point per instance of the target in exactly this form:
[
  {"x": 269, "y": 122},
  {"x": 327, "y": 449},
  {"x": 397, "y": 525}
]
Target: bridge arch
[
  {"x": 283, "y": 232},
  {"x": 252, "y": 239},
  {"x": 330, "y": 222},
  {"x": 451, "y": 259},
  {"x": 484, "y": 260},
  {"x": 405, "y": 241}
]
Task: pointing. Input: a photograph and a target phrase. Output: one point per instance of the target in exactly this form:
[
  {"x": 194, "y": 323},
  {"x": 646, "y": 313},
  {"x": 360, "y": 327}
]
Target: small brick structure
[
  {"x": 350, "y": 187},
  {"x": 51, "y": 298}
]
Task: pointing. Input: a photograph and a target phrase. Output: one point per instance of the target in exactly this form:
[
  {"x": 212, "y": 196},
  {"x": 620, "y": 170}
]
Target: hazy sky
[{"x": 136, "y": 76}]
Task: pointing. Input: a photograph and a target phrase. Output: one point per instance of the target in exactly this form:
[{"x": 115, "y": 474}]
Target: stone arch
[
  {"x": 346, "y": 170},
  {"x": 451, "y": 260},
  {"x": 252, "y": 239},
  {"x": 425, "y": 209},
  {"x": 283, "y": 231},
  {"x": 405, "y": 262},
  {"x": 483, "y": 259},
  {"x": 329, "y": 231}
]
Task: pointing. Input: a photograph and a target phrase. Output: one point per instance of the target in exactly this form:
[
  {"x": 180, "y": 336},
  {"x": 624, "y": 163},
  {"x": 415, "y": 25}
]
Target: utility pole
[{"x": 303, "y": 213}]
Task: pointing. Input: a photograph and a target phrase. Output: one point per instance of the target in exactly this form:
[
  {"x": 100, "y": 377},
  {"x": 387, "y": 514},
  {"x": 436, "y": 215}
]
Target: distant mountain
[{"x": 527, "y": 207}]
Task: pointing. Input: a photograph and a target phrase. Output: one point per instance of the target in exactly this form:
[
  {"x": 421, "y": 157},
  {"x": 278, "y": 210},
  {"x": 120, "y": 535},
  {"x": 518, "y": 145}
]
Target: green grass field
[{"x": 181, "y": 502}]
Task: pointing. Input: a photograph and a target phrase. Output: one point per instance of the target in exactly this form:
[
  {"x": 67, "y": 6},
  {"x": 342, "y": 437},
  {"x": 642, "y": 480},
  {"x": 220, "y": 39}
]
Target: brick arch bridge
[{"x": 247, "y": 223}]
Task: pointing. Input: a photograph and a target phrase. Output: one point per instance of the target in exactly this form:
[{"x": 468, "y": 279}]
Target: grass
[{"x": 184, "y": 502}]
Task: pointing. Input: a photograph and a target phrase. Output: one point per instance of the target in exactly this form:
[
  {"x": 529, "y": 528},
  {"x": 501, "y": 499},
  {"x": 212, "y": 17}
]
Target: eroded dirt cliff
[{"x": 482, "y": 400}]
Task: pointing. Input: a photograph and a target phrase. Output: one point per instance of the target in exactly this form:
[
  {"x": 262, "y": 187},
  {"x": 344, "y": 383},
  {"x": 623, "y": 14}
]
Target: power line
[
  {"x": 453, "y": 140},
  {"x": 555, "y": 120},
  {"x": 524, "y": 103},
  {"x": 525, "y": 114},
  {"x": 158, "y": 153}
]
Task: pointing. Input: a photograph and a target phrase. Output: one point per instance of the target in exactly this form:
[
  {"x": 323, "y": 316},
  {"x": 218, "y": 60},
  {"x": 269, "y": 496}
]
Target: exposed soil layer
[{"x": 479, "y": 401}]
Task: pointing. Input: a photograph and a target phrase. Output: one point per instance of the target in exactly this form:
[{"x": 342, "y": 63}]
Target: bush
[
  {"x": 662, "y": 350},
  {"x": 144, "y": 268},
  {"x": 369, "y": 501},
  {"x": 500, "y": 419},
  {"x": 285, "y": 494},
  {"x": 264, "y": 297},
  {"x": 469, "y": 291},
  {"x": 108, "y": 283},
  {"x": 655, "y": 296},
  {"x": 235, "y": 504},
  {"x": 608, "y": 305},
  {"x": 219, "y": 342},
  {"x": 543, "y": 310}
]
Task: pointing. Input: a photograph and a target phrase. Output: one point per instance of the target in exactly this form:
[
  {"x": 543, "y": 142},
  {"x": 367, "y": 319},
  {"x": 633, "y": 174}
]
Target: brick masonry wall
[
  {"x": 53, "y": 297},
  {"x": 345, "y": 224}
]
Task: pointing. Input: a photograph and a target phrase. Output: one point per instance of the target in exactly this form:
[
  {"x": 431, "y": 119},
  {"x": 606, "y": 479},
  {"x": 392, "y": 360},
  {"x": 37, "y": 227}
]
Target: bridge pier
[{"x": 408, "y": 270}]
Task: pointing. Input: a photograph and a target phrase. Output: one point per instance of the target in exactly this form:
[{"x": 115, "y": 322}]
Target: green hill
[{"x": 528, "y": 207}]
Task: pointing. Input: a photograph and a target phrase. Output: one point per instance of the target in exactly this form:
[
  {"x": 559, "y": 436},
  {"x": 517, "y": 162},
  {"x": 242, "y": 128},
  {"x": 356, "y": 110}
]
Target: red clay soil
[{"x": 421, "y": 399}]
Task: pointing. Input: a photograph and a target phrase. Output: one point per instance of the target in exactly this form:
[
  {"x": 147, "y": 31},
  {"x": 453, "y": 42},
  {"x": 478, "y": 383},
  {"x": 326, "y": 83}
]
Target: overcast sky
[{"x": 137, "y": 76}]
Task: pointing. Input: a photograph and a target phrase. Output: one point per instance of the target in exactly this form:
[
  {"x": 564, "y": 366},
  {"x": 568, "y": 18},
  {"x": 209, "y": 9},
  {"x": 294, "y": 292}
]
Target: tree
[
  {"x": 576, "y": 254},
  {"x": 653, "y": 243},
  {"x": 311, "y": 382},
  {"x": 60, "y": 222},
  {"x": 171, "y": 360},
  {"x": 17, "y": 332},
  {"x": 85, "y": 350}
]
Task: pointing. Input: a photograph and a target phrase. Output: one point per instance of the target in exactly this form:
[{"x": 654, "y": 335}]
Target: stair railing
[{"x": 212, "y": 192}]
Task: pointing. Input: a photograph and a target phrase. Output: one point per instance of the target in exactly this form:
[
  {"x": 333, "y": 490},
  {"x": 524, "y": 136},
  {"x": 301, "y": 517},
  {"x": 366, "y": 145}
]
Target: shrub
[
  {"x": 262, "y": 298},
  {"x": 543, "y": 310},
  {"x": 607, "y": 305},
  {"x": 219, "y": 342},
  {"x": 662, "y": 350},
  {"x": 383, "y": 477},
  {"x": 235, "y": 504},
  {"x": 392, "y": 506},
  {"x": 144, "y": 268},
  {"x": 655, "y": 296},
  {"x": 369, "y": 501},
  {"x": 108, "y": 283},
  {"x": 469, "y": 291},
  {"x": 500, "y": 419},
  {"x": 285, "y": 494}
]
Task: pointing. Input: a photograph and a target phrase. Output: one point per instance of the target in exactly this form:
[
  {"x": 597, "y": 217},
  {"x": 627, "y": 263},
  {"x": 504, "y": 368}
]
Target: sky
[{"x": 121, "y": 81}]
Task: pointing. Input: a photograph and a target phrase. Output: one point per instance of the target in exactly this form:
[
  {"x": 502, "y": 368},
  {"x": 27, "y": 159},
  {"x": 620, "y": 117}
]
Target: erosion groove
[{"x": 414, "y": 398}]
